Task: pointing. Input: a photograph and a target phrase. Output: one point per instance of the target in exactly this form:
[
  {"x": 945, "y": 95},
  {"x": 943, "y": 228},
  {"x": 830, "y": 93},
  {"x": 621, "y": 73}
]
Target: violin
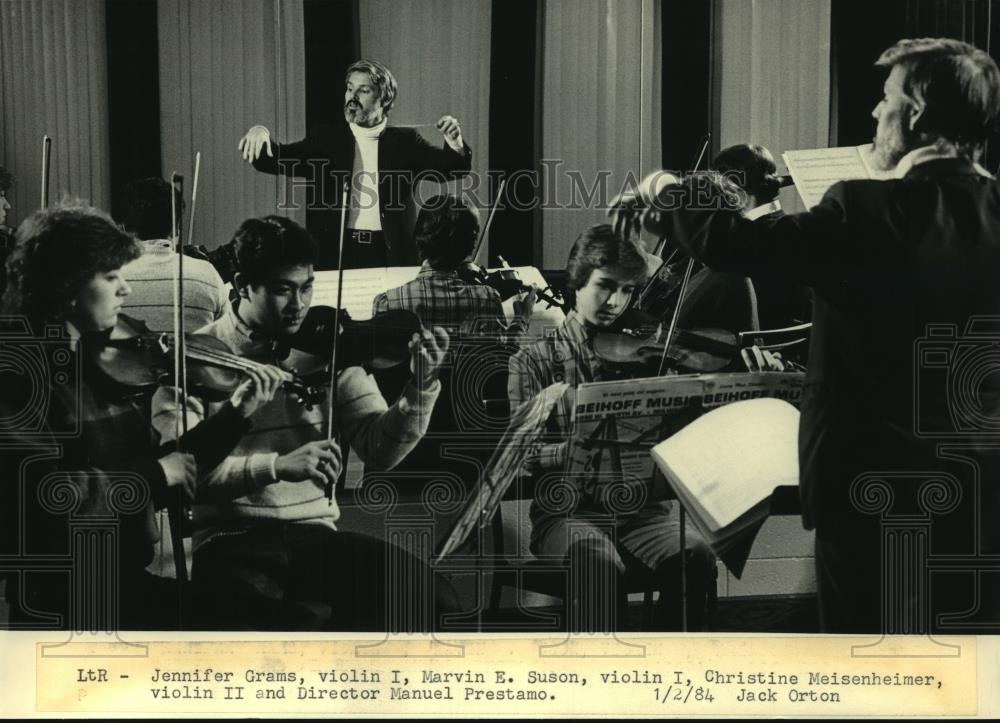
[
  {"x": 138, "y": 360},
  {"x": 507, "y": 283},
  {"x": 698, "y": 351},
  {"x": 381, "y": 342}
]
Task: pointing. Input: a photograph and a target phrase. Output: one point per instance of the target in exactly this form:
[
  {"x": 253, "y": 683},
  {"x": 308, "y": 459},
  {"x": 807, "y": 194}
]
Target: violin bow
[
  {"x": 180, "y": 367},
  {"x": 489, "y": 220},
  {"x": 706, "y": 139},
  {"x": 176, "y": 508},
  {"x": 676, "y": 315},
  {"x": 331, "y": 410},
  {"x": 699, "y": 157},
  {"x": 46, "y": 164}
]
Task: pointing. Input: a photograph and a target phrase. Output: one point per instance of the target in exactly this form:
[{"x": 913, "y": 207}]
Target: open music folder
[
  {"x": 725, "y": 465},
  {"x": 814, "y": 170}
]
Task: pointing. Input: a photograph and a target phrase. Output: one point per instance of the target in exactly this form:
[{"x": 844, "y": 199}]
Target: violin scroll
[{"x": 508, "y": 283}]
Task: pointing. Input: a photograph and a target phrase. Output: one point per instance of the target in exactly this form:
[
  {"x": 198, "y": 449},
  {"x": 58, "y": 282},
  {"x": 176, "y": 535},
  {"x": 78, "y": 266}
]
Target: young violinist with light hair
[
  {"x": 603, "y": 271},
  {"x": 266, "y": 544},
  {"x": 67, "y": 288}
]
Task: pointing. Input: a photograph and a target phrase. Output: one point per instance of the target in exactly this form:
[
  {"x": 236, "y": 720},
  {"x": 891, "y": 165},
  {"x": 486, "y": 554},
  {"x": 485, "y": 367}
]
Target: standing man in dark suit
[
  {"x": 381, "y": 162},
  {"x": 898, "y": 449}
]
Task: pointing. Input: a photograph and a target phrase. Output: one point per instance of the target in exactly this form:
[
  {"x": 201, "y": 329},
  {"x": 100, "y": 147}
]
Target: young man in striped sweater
[{"x": 266, "y": 547}]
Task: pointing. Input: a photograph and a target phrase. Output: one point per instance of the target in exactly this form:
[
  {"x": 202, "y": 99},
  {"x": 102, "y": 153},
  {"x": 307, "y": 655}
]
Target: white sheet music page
[
  {"x": 361, "y": 286},
  {"x": 815, "y": 170},
  {"x": 733, "y": 457}
]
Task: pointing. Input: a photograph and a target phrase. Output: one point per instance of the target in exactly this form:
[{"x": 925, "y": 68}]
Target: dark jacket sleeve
[
  {"x": 424, "y": 157},
  {"x": 214, "y": 439},
  {"x": 809, "y": 247},
  {"x": 295, "y": 159}
]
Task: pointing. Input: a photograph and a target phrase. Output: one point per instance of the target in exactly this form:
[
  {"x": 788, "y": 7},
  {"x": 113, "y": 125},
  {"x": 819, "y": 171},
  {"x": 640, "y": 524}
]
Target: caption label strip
[{"x": 671, "y": 676}]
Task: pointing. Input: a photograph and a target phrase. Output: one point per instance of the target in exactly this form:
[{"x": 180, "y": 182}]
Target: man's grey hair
[{"x": 959, "y": 83}]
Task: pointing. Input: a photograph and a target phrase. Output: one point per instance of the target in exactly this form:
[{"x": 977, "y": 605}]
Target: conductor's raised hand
[
  {"x": 251, "y": 145},
  {"x": 318, "y": 461},
  {"x": 427, "y": 350},
  {"x": 452, "y": 132}
]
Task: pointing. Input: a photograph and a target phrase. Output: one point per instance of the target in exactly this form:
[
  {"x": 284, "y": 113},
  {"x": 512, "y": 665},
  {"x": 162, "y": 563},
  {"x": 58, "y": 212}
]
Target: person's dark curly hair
[
  {"x": 57, "y": 252},
  {"x": 446, "y": 232},
  {"x": 751, "y": 168},
  {"x": 148, "y": 208},
  {"x": 265, "y": 245}
]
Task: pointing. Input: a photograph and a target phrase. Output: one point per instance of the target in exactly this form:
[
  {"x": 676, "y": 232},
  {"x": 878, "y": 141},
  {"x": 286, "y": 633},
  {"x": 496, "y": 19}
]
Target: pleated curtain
[
  {"x": 53, "y": 80},
  {"x": 778, "y": 94},
  {"x": 439, "y": 52},
  {"x": 226, "y": 65},
  {"x": 600, "y": 111}
]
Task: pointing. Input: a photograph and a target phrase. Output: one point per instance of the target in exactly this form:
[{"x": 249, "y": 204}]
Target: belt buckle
[{"x": 362, "y": 237}]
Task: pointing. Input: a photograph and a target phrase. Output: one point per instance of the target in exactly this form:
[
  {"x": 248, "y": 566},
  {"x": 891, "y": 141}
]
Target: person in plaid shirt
[
  {"x": 446, "y": 234},
  {"x": 600, "y": 545}
]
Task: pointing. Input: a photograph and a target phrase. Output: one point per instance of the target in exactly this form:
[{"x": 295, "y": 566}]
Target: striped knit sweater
[
  {"x": 243, "y": 488},
  {"x": 152, "y": 277}
]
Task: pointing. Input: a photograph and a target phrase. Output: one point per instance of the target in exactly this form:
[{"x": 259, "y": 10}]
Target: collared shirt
[
  {"x": 763, "y": 210},
  {"x": 442, "y": 298},
  {"x": 932, "y": 152},
  {"x": 566, "y": 356}
]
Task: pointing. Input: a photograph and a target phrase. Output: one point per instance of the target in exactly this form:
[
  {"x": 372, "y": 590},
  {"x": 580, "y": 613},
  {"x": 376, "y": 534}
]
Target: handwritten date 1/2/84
[{"x": 684, "y": 693}]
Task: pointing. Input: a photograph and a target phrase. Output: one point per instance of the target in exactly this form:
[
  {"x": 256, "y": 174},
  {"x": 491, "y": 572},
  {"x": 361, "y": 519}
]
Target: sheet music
[
  {"x": 646, "y": 411},
  {"x": 361, "y": 286},
  {"x": 760, "y": 452},
  {"x": 815, "y": 170}
]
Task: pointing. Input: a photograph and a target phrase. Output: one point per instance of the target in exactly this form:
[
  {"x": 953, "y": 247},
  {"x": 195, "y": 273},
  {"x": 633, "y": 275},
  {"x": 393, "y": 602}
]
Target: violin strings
[
  {"x": 222, "y": 358},
  {"x": 673, "y": 320}
]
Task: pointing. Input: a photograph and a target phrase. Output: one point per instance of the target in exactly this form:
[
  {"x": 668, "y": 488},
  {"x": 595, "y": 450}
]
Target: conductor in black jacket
[
  {"x": 898, "y": 439},
  {"x": 382, "y": 164}
]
